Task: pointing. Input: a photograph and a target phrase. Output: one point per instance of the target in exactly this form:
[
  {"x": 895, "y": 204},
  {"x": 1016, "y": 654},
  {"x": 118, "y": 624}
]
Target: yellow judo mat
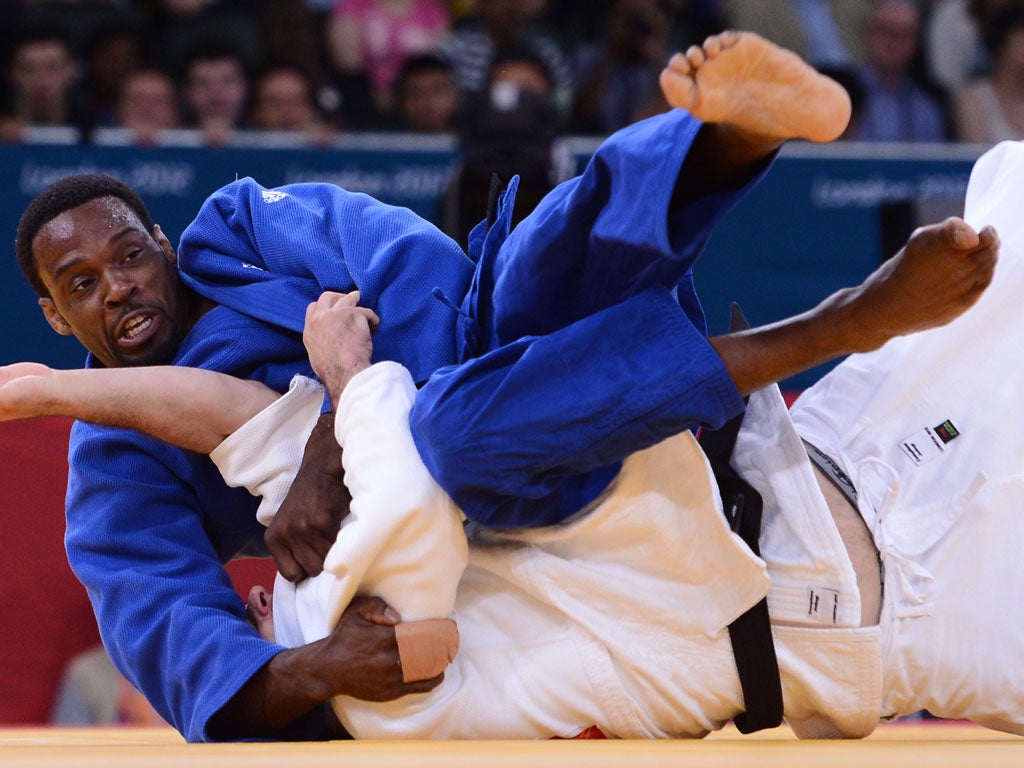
[{"x": 903, "y": 745}]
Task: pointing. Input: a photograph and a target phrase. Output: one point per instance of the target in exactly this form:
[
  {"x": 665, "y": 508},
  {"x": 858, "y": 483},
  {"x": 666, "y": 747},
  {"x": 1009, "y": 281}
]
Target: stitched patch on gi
[
  {"x": 823, "y": 604},
  {"x": 927, "y": 443},
  {"x": 272, "y": 195}
]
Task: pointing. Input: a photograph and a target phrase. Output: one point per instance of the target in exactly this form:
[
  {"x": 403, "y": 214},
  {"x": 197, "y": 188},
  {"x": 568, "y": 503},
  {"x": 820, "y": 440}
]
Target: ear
[
  {"x": 54, "y": 318},
  {"x": 259, "y": 610},
  {"x": 165, "y": 244}
]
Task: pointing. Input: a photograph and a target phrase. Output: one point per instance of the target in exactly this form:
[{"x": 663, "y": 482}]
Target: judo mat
[{"x": 912, "y": 745}]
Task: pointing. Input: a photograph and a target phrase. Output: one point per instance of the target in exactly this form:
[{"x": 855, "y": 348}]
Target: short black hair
[
  {"x": 63, "y": 195},
  {"x": 206, "y": 49},
  {"x": 997, "y": 30},
  {"x": 274, "y": 67},
  {"x": 34, "y": 34},
  {"x": 421, "y": 62}
]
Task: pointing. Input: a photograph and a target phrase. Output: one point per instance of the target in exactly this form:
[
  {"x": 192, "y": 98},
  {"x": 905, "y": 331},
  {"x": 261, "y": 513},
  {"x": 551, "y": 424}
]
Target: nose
[{"x": 119, "y": 289}]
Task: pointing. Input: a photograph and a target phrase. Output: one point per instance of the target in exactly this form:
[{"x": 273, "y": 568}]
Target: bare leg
[
  {"x": 187, "y": 407},
  {"x": 752, "y": 97}
]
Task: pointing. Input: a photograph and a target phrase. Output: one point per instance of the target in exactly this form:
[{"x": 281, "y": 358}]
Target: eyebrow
[{"x": 71, "y": 263}]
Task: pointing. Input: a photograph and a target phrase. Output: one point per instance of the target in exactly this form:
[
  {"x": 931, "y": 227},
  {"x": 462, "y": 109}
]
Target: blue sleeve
[
  {"x": 268, "y": 253},
  {"x": 533, "y": 431},
  {"x": 148, "y": 527},
  {"x": 166, "y": 609}
]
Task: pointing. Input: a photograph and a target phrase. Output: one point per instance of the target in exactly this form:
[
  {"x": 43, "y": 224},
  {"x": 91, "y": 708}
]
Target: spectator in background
[
  {"x": 180, "y": 26},
  {"x": 426, "y": 96},
  {"x": 148, "y": 105},
  {"x": 215, "y": 91},
  {"x": 952, "y": 47},
  {"x": 991, "y": 109},
  {"x": 575, "y": 22},
  {"x": 81, "y": 20},
  {"x": 93, "y": 692},
  {"x": 693, "y": 21},
  {"x": 955, "y": 51},
  {"x": 374, "y": 37},
  {"x": 502, "y": 25},
  {"x": 283, "y": 100},
  {"x": 10, "y": 23},
  {"x": 508, "y": 130},
  {"x": 112, "y": 54},
  {"x": 42, "y": 75},
  {"x": 293, "y": 33},
  {"x": 825, "y": 33},
  {"x": 521, "y": 70},
  {"x": 896, "y": 106},
  {"x": 616, "y": 80}
]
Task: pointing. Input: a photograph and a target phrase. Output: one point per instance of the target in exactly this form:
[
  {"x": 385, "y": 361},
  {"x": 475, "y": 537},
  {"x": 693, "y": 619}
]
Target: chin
[{"x": 155, "y": 355}]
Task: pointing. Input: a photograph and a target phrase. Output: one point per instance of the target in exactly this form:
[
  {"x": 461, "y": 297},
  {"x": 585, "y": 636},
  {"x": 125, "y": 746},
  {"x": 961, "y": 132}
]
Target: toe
[
  {"x": 728, "y": 38},
  {"x": 713, "y": 46},
  {"x": 680, "y": 64}
]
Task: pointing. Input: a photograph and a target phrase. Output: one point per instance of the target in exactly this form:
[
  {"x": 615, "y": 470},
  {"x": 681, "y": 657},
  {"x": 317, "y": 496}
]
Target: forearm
[
  {"x": 359, "y": 658},
  {"x": 284, "y": 690},
  {"x": 761, "y": 356},
  {"x": 404, "y": 540},
  {"x": 187, "y": 407},
  {"x": 941, "y": 273}
]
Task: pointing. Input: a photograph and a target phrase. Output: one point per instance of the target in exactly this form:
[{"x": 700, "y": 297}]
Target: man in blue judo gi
[{"x": 505, "y": 342}]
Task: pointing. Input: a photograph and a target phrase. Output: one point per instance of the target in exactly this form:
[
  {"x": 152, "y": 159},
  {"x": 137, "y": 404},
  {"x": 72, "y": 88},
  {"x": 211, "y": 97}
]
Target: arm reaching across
[
  {"x": 359, "y": 658},
  {"x": 936, "y": 277},
  {"x": 188, "y": 407},
  {"x": 337, "y": 337},
  {"x": 196, "y": 409},
  {"x": 337, "y": 334},
  {"x": 306, "y": 524}
]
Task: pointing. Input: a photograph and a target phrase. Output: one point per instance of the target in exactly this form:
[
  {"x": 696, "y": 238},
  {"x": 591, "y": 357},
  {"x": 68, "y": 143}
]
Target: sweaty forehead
[
  {"x": 81, "y": 234},
  {"x": 99, "y": 218}
]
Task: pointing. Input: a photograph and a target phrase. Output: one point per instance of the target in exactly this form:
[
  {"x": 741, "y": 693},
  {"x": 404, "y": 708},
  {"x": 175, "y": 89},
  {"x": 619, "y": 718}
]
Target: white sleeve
[
  {"x": 264, "y": 453},
  {"x": 403, "y": 538}
]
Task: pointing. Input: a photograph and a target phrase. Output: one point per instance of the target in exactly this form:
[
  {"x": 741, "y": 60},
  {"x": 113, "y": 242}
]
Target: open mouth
[{"x": 137, "y": 329}]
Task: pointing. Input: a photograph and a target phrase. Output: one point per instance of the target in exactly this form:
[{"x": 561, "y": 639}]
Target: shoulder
[{"x": 231, "y": 342}]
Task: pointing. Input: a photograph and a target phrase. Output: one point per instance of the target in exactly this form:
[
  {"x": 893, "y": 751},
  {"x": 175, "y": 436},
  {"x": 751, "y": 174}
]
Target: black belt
[
  {"x": 830, "y": 468},
  {"x": 751, "y": 633}
]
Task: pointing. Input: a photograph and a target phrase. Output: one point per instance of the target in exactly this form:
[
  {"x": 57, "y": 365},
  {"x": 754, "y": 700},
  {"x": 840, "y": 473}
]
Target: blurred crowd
[{"x": 931, "y": 71}]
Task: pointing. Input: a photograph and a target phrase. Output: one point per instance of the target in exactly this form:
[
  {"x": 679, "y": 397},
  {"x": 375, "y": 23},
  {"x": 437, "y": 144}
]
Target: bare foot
[{"x": 741, "y": 79}]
